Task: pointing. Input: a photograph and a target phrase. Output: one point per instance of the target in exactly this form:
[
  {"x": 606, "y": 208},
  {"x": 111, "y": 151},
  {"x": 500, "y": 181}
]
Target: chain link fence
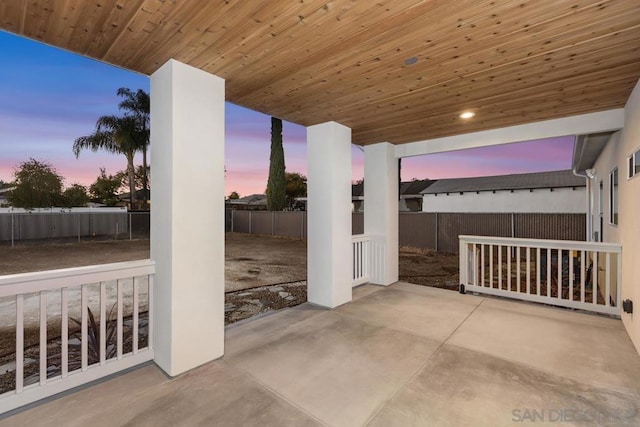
[{"x": 23, "y": 227}]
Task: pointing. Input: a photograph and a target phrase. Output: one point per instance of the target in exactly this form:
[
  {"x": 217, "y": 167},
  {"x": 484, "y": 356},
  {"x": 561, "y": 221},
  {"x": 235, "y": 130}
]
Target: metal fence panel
[
  {"x": 304, "y": 226},
  {"x": 241, "y": 222},
  {"x": 550, "y": 226},
  {"x": 451, "y": 225},
  {"x": 6, "y": 226},
  {"x": 85, "y": 224},
  {"x": 107, "y": 224},
  {"x": 262, "y": 222},
  {"x": 417, "y": 230},
  {"x": 65, "y": 225},
  {"x": 228, "y": 220},
  {"x": 289, "y": 224},
  {"x": 357, "y": 223},
  {"x": 140, "y": 223},
  {"x": 33, "y": 226}
]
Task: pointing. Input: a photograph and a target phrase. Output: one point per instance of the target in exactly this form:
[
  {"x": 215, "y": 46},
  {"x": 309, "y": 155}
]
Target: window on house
[
  {"x": 634, "y": 164},
  {"x": 613, "y": 197}
]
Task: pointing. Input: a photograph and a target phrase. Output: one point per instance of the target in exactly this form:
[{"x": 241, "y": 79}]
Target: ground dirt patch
[
  {"x": 240, "y": 305},
  {"x": 429, "y": 268},
  {"x": 49, "y": 256}
]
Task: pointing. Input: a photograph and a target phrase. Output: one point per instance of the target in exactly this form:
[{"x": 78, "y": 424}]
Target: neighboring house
[
  {"x": 254, "y": 202},
  {"x": 4, "y": 193},
  {"x": 410, "y": 195},
  {"x": 123, "y": 199},
  {"x": 543, "y": 192},
  {"x": 357, "y": 197}
]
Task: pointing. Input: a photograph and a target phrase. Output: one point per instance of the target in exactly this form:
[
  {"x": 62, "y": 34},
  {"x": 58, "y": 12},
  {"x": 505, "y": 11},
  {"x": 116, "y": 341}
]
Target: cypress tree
[{"x": 276, "y": 185}]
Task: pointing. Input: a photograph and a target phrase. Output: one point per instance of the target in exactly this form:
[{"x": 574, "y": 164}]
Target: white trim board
[{"x": 575, "y": 125}]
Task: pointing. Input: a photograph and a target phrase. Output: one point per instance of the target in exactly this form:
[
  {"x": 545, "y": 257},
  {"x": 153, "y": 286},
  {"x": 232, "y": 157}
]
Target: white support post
[
  {"x": 187, "y": 135},
  {"x": 381, "y": 209},
  {"x": 329, "y": 270}
]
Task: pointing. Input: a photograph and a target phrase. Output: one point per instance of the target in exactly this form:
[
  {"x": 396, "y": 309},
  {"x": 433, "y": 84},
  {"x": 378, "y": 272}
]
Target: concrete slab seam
[
  {"x": 421, "y": 367},
  {"x": 280, "y": 396}
]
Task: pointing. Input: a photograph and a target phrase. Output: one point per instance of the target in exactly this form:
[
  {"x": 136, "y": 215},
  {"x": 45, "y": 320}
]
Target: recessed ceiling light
[
  {"x": 410, "y": 61},
  {"x": 467, "y": 115}
]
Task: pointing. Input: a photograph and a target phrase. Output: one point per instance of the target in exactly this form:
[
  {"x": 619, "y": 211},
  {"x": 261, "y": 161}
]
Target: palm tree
[
  {"x": 137, "y": 105},
  {"x": 114, "y": 134}
]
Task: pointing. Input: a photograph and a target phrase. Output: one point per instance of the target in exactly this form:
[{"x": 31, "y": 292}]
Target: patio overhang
[
  {"x": 384, "y": 75},
  {"x": 392, "y": 71}
]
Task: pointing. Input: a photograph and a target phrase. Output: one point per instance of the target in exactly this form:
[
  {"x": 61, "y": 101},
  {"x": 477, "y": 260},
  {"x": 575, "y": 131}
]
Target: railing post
[
  {"x": 437, "y": 231},
  {"x": 463, "y": 257},
  {"x": 19, "y": 342},
  {"x": 619, "y": 280},
  {"x": 12, "y": 228}
]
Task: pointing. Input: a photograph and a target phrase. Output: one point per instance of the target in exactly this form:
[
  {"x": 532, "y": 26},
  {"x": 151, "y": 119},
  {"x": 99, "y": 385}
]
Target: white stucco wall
[
  {"x": 628, "y": 230},
  {"x": 560, "y": 200},
  {"x": 611, "y": 156}
]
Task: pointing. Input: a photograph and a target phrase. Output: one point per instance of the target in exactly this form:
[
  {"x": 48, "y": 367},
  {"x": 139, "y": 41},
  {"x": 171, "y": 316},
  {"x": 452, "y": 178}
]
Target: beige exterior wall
[
  {"x": 627, "y": 232},
  {"x": 629, "y": 228}
]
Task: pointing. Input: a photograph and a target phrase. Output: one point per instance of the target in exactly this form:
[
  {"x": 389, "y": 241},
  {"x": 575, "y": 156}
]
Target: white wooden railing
[
  {"x": 361, "y": 245},
  {"x": 73, "y": 326},
  {"x": 580, "y": 275}
]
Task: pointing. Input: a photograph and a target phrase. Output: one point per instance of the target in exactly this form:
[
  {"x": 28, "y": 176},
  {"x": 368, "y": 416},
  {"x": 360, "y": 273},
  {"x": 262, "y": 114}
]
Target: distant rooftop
[
  {"x": 524, "y": 181},
  {"x": 254, "y": 199},
  {"x": 357, "y": 190},
  {"x": 138, "y": 194},
  {"x": 407, "y": 188},
  {"x": 414, "y": 187}
]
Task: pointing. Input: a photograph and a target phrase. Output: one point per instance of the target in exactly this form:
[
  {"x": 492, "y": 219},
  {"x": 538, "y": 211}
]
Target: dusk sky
[{"x": 49, "y": 97}]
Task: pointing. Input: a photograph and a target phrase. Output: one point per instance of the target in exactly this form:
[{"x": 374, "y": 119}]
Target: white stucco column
[
  {"x": 187, "y": 216},
  {"x": 329, "y": 269},
  {"x": 381, "y": 210}
]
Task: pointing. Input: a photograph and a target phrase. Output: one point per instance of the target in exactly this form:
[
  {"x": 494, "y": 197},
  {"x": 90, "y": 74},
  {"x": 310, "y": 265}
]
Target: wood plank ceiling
[{"x": 310, "y": 61}]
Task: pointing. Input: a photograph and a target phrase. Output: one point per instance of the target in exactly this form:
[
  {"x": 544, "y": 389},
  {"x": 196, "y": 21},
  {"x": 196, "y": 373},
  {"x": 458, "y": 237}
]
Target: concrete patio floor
[{"x": 403, "y": 355}]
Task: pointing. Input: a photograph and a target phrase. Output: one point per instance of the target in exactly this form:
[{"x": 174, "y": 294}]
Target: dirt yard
[
  {"x": 262, "y": 273},
  {"x": 251, "y": 261}
]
